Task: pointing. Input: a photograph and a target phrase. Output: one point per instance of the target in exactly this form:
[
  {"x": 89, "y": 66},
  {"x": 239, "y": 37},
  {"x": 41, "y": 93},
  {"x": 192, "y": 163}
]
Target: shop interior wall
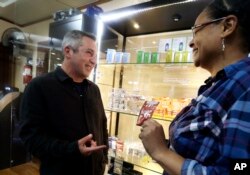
[{"x": 35, "y": 33}]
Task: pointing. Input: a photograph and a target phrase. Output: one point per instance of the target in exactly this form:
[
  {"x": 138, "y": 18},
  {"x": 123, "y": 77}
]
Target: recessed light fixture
[
  {"x": 176, "y": 17},
  {"x": 53, "y": 53},
  {"x": 136, "y": 26},
  {"x": 153, "y": 42}
]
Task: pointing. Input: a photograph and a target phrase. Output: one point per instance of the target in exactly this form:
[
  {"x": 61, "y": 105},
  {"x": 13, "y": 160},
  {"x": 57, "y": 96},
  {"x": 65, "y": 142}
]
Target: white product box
[{"x": 110, "y": 57}]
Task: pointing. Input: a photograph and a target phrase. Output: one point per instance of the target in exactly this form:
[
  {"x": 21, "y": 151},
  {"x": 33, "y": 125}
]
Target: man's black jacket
[{"x": 54, "y": 116}]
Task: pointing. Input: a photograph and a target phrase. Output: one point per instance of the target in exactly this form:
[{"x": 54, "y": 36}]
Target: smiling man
[{"x": 63, "y": 119}]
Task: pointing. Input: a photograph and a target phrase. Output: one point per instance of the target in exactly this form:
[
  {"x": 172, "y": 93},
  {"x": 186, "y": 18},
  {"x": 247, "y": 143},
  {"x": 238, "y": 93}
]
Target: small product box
[
  {"x": 146, "y": 111},
  {"x": 110, "y": 57},
  {"x": 179, "y": 43},
  {"x": 147, "y": 57},
  {"x": 140, "y": 56},
  {"x": 126, "y": 57},
  {"x": 185, "y": 57},
  {"x": 178, "y": 56},
  {"x": 190, "y": 57},
  {"x": 169, "y": 56},
  {"x": 155, "y": 57},
  {"x": 118, "y": 163},
  {"x": 118, "y": 57}
]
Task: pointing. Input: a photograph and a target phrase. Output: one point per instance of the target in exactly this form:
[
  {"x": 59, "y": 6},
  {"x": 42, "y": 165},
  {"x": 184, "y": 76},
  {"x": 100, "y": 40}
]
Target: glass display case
[{"x": 170, "y": 78}]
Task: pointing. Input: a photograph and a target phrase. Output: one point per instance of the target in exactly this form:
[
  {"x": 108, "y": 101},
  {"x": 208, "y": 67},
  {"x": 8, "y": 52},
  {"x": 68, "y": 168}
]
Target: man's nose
[{"x": 93, "y": 60}]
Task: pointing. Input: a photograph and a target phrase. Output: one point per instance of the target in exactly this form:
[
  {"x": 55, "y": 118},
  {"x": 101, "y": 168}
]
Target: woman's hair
[
  {"x": 73, "y": 39},
  {"x": 239, "y": 8}
]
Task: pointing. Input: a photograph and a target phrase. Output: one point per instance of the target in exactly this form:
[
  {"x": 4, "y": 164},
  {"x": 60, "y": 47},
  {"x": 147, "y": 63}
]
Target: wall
[
  {"x": 39, "y": 32},
  {"x": 39, "y": 29},
  {"x": 4, "y": 25},
  {"x": 34, "y": 33}
]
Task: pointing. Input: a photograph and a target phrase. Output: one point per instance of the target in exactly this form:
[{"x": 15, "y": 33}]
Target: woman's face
[{"x": 206, "y": 42}]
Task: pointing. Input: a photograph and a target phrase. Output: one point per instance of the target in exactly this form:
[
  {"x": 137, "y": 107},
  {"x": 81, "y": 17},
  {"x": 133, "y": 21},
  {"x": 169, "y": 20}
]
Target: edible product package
[{"x": 146, "y": 111}]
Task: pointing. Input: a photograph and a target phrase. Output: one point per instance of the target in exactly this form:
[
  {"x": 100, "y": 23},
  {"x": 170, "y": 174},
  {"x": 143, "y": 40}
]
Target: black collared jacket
[{"x": 54, "y": 116}]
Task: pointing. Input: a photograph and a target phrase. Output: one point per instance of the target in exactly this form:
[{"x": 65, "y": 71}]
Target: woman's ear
[{"x": 229, "y": 25}]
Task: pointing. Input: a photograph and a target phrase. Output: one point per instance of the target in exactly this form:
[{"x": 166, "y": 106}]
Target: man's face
[{"x": 84, "y": 59}]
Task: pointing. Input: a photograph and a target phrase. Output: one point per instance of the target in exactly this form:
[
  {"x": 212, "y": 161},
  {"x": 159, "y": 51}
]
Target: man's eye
[{"x": 89, "y": 53}]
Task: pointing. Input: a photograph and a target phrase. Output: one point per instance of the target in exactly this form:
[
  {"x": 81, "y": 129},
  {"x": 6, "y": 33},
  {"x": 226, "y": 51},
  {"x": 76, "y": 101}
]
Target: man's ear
[
  {"x": 66, "y": 51},
  {"x": 229, "y": 25}
]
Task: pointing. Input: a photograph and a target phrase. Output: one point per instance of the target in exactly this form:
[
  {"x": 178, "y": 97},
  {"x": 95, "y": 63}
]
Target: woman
[{"x": 209, "y": 134}]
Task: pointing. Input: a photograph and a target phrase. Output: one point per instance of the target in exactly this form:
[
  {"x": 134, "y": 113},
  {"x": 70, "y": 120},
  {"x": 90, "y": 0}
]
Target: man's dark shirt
[{"x": 55, "y": 114}]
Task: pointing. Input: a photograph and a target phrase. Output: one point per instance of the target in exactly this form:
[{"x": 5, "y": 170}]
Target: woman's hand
[{"x": 153, "y": 138}]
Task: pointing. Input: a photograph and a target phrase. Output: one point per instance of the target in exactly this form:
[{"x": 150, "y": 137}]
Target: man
[{"x": 63, "y": 118}]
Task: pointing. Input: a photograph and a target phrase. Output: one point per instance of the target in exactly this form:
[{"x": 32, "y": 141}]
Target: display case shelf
[
  {"x": 125, "y": 86},
  {"x": 142, "y": 164},
  {"x": 150, "y": 72},
  {"x": 159, "y": 63},
  {"x": 136, "y": 115}
]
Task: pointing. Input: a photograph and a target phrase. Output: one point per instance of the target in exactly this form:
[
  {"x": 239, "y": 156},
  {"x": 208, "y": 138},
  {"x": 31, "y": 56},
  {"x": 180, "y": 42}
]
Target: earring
[{"x": 223, "y": 44}]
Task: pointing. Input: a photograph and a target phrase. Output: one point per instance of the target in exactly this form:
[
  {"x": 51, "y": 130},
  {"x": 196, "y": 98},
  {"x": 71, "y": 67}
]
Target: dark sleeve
[
  {"x": 105, "y": 136},
  {"x": 34, "y": 132},
  {"x": 105, "y": 133}
]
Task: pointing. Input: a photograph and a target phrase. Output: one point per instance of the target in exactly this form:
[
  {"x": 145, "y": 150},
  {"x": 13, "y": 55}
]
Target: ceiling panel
[
  {"x": 26, "y": 12},
  {"x": 76, "y": 3},
  {"x": 159, "y": 18}
]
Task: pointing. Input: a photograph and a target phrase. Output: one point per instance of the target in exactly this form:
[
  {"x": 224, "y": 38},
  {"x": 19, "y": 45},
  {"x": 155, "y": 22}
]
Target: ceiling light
[
  {"x": 117, "y": 16},
  {"x": 136, "y": 26},
  {"x": 176, "y": 17}
]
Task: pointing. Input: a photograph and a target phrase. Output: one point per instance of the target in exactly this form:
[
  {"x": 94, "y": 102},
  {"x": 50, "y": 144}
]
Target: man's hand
[{"x": 87, "y": 145}]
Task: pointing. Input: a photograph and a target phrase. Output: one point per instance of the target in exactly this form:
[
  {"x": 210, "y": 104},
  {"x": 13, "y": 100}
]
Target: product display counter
[
  {"x": 141, "y": 65},
  {"x": 172, "y": 84}
]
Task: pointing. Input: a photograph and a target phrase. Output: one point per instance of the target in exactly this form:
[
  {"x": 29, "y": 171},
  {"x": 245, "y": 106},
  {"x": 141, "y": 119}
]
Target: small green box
[
  {"x": 155, "y": 57},
  {"x": 140, "y": 55},
  {"x": 147, "y": 57}
]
